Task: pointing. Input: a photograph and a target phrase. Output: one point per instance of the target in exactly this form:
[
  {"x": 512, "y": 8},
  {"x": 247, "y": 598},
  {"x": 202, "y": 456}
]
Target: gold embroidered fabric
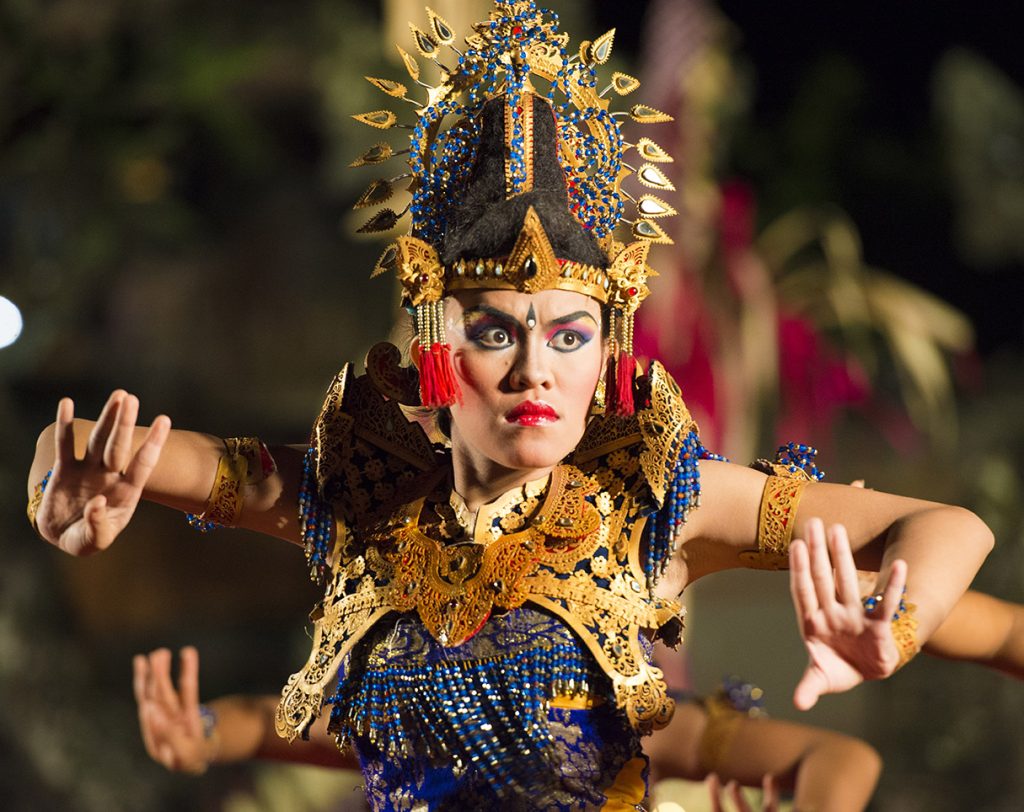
[{"x": 573, "y": 550}]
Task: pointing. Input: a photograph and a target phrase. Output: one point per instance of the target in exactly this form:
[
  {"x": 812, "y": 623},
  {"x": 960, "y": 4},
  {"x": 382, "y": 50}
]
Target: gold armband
[
  {"x": 246, "y": 461},
  {"x": 775, "y": 523}
]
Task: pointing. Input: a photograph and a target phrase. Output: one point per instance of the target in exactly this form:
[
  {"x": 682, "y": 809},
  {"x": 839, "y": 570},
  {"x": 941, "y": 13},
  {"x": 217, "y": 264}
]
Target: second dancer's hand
[
  {"x": 845, "y": 644},
  {"x": 89, "y": 501}
]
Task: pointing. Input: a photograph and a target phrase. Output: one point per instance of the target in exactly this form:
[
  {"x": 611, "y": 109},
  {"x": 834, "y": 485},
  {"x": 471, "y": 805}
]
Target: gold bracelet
[
  {"x": 224, "y": 504},
  {"x": 36, "y": 500},
  {"x": 719, "y": 731},
  {"x": 904, "y": 627},
  {"x": 904, "y": 632}
]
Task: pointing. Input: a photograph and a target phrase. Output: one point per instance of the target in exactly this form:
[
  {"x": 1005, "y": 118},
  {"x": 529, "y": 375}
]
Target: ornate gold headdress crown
[{"x": 528, "y": 198}]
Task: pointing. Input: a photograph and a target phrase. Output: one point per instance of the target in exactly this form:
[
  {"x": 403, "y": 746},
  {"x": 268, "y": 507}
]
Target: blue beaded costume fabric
[
  {"x": 483, "y": 708},
  {"x": 508, "y": 660}
]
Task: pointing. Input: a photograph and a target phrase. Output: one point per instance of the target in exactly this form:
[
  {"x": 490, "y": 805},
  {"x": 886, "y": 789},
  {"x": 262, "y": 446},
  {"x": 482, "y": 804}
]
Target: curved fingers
[
  {"x": 847, "y": 586},
  {"x": 104, "y": 426},
  {"x": 771, "y": 796},
  {"x": 64, "y": 434},
  {"x": 142, "y": 464},
  {"x": 801, "y": 587},
  {"x": 893, "y": 591},
  {"x": 117, "y": 451},
  {"x": 140, "y": 679},
  {"x": 820, "y": 565},
  {"x": 188, "y": 687}
]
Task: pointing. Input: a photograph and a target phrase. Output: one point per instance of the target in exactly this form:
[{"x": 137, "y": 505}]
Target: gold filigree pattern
[
  {"x": 420, "y": 271},
  {"x": 904, "y": 632},
  {"x": 577, "y": 556},
  {"x": 530, "y": 267},
  {"x": 629, "y": 273},
  {"x": 777, "y": 517},
  {"x": 663, "y": 425},
  {"x": 455, "y": 587}
]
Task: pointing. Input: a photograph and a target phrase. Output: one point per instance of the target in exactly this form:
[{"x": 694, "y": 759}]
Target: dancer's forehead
[{"x": 546, "y": 305}]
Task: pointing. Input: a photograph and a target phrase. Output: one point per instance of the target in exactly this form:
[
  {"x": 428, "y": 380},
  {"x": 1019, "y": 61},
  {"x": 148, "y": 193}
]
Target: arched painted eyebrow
[
  {"x": 579, "y": 314},
  {"x": 487, "y": 310},
  {"x": 483, "y": 309}
]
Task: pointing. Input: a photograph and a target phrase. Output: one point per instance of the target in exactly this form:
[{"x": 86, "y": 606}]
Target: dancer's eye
[
  {"x": 493, "y": 338},
  {"x": 568, "y": 340}
]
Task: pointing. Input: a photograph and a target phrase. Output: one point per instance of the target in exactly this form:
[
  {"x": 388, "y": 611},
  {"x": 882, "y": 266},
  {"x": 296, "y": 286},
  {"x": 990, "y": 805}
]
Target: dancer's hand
[
  {"x": 846, "y": 645},
  {"x": 769, "y": 795},
  {"x": 169, "y": 718},
  {"x": 89, "y": 501}
]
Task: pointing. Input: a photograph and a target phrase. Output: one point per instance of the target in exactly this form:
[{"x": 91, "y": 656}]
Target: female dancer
[{"x": 490, "y": 601}]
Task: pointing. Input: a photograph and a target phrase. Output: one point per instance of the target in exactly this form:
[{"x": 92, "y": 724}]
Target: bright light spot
[{"x": 10, "y": 322}]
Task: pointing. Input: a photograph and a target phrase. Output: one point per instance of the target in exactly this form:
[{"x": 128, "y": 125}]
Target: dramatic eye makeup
[
  {"x": 493, "y": 329},
  {"x": 490, "y": 328},
  {"x": 569, "y": 333}
]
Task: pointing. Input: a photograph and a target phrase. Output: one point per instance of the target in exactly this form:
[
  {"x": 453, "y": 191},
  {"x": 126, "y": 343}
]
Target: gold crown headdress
[{"x": 461, "y": 149}]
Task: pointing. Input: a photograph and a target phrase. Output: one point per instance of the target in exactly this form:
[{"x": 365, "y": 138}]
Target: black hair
[{"x": 486, "y": 224}]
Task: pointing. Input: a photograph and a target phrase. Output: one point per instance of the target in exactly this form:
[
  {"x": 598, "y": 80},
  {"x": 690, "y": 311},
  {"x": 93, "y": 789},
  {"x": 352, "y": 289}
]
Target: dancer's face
[{"x": 528, "y": 365}]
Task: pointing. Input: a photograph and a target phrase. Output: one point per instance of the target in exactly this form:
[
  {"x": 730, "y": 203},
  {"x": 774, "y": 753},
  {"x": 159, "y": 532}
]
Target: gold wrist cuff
[
  {"x": 36, "y": 500},
  {"x": 904, "y": 632},
  {"x": 719, "y": 732}
]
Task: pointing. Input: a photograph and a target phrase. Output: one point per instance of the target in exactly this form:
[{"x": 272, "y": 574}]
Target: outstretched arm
[
  {"x": 101, "y": 469},
  {"x": 236, "y": 728},
  {"x": 984, "y": 630},
  {"x": 823, "y": 769},
  {"x": 933, "y": 549}
]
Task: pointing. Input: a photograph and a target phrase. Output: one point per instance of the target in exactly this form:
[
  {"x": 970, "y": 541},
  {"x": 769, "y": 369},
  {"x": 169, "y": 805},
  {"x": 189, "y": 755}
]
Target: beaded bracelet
[
  {"x": 904, "y": 627},
  {"x": 36, "y": 500}
]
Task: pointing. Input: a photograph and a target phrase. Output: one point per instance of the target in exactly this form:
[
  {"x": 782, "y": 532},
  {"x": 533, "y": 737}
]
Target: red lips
[{"x": 532, "y": 413}]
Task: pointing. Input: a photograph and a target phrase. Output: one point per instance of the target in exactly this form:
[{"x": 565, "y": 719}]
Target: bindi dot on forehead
[{"x": 531, "y": 318}]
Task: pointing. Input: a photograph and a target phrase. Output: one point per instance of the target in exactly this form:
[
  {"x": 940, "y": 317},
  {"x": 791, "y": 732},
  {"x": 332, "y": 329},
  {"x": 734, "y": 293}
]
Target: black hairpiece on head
[{"x": 486, "y": 222}]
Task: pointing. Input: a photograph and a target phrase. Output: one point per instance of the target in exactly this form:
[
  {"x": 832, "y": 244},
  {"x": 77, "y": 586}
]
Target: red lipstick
[{"x": 532, "y": 413}]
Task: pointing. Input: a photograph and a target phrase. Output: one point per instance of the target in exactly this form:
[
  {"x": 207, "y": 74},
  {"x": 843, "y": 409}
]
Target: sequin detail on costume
[{"x": 473, "y": 723}]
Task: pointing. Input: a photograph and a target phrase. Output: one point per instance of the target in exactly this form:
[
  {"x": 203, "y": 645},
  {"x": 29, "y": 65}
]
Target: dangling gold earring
[{"x": 597, "y": 405}]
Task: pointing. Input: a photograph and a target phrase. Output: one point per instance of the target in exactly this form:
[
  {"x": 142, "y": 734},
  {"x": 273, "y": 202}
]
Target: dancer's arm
[
  {"x": 984, "y": 630},
  {"x": 101, "y": 469},
  {"x": 239, "y": 728},
  {"x": 934, "y": 550},
  {"x": 824, "y": 770}
]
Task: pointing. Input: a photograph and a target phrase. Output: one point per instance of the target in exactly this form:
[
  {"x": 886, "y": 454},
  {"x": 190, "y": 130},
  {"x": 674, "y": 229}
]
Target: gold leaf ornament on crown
[
  {"x": 515, "y": 51},
  {"x": 544, "y": 60}
]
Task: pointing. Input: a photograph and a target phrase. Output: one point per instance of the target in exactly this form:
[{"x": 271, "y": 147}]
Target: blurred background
[{"x": 175, "y": 219}]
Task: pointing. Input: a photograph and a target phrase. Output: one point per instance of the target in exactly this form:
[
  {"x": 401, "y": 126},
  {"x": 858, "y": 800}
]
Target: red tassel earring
[
  {"x": 621, "y": 370},
  {"x": 439, "y": 387}
]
